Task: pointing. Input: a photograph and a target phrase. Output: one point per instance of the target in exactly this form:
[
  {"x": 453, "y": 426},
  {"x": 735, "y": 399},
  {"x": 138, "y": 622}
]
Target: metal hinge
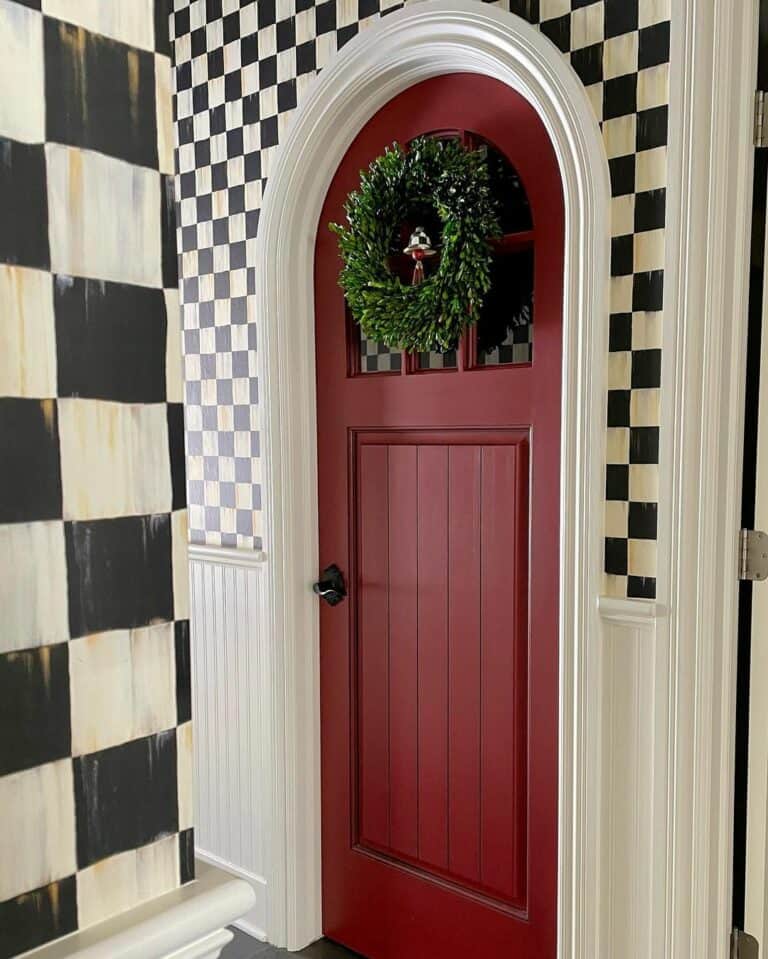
[
  {"x": 761, "y": 119},
  {"x": 753, "y": 554},
  {"x": 743, "y": 946}
]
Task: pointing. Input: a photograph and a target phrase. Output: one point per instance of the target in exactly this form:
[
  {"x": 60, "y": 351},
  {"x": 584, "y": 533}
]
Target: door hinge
[
  {"x": 753, "y": 554},
  {"x": 761, "y": 119},
  {"x": 743, "y": 946}
]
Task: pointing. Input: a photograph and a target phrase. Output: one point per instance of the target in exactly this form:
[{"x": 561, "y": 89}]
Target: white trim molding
[
  {"x": 188, "y": 923},
  {"x": 646, "y": 690},
  {"x": 425, "y": 40}
]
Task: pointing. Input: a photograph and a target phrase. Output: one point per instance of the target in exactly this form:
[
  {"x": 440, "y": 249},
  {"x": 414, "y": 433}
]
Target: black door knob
[{"x": 330, "y": 586}]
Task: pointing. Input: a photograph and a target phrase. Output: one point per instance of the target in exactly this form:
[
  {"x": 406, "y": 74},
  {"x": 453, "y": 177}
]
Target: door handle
[{"x": 330, "y": 586}]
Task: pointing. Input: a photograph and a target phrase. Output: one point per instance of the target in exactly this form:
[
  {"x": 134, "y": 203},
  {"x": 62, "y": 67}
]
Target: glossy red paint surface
[{"x": 439, "y": 499}]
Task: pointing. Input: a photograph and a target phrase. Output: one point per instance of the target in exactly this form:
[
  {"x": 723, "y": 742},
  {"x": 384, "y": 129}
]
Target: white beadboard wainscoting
[{"x": 231, "y": 697}]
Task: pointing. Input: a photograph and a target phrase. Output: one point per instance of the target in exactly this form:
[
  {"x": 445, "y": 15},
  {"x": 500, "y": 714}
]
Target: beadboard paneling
[{"x": 230, "y": 668}]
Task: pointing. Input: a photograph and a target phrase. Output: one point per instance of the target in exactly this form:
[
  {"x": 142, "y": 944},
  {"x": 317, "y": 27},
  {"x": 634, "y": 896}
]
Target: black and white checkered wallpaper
[
  {"x": 95, "y": 732},
  {"x": 241, "y": 69}
]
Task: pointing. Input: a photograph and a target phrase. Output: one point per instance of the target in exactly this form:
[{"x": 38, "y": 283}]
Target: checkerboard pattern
[
  {"x": 241, "y": 69},
  {"x": 95, "y": 731}
]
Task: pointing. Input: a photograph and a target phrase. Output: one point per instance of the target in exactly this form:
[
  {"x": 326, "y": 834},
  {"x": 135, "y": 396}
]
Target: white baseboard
[
  {"x": 253, "y": 922},
  {"x": 188, "y": 923}
]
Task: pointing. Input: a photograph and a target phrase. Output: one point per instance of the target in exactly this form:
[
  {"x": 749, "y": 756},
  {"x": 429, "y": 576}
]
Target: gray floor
[{"x": 244, "y": 947}]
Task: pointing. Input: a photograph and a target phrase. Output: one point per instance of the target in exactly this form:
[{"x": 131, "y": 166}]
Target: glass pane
[
  {"x": 376, "y": 357},
  {"x": 436, "y": 361},
  {"x": 507, "y": 187},
  {"x": 505, "y": 328}
]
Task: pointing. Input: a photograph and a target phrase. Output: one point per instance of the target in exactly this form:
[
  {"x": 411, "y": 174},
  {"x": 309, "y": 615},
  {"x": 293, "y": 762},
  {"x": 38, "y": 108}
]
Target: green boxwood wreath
[{"x": 453, "y": 181}]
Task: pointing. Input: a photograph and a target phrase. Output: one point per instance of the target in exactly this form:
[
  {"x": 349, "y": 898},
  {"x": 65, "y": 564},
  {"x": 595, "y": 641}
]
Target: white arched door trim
[
  {"x": 427, "y": 39},
  {"x": 646, "y": 690}
]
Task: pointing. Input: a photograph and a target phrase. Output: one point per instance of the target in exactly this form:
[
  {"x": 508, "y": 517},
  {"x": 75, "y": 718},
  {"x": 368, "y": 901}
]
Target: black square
[
  {"x": 38, "y": 916},
  {"x": 251, "y": 225},
  {"x": 34, "y": 707},
  {"x": 184, "y": 76},
  {"x": 111, "y": 340},
  {"x": 200, "y": 97},
  {"x": 188, "y": 238},
  {"x": 119, "y": 573},
  {"x": 186, "y": 856},
  {"x": 644, "y": 444},
  {"x": 559, "y": 32},
  {"x": 641, "y": 587},
  {"x": 325, "y": 17},
  {"x": 197, "y": 42},
  {"x": 269, "y": 132},
  {"x": 588, "y": 63},
  {"x": 220, "y": 231},
  {"x": 249, "y": 49},
  {"x": 642, "y": 520},
  {"x": 653, "y": 45},
  {"x": 367, "y": 8},
  {"x": 251, "y": 109},
  {"x": 648, "y": 291},
  {"x": 221, "y": 286},
  {"x": 618, "y": 408},
  {"x": 181, "y": 23},
  {"x": 175, "y": 418},
  {"x": 163, "y": 10},
  {"x": 219, "y": 175},
  {"x": 231, "y": 27},
  {"x": 183, "y": 672},
  {"x": 205, "y": 261},
  {"x": 615, "y": 556},
  {"x": 186, "y": 130},
  {"x": 202, "y": 153},
  {"x": 169, "y": 252},
  {"x": 237, "y": 255},
  {"x": 134, "y": 788},
  {"x": 216, "y": 63},
  {"x": 529, "y": 9},
  {"x": 617, "y": 482},
  {"x": 646, "y": 369},
  {"x": 620, "y": 336},
  {"x": 235, "y": 143},
  {"x": 621, "y": 16},
  {"x": 306, "y": 58},
  {"x": 23, "y": 204},
  {"x": 622, "y": 255},
  {"x": 252, "y": 167},
  {"x": 652, "y": 128},
  {"x": 204, "y": 206},
  {"x": 213, "y": 10},
  {"x": 620, "y": 96},
  {"x": 233, "y": 88},
  {"x": 622, "y": 175},
  {"x": 265, "y": 10},
  {"x": 267, "y": 72},
  {"x": 30, "y": 478},
  {"x": 286, "y": 96},
  {"x": 236, "y": 200},
  {"x": 345, "y": 34},
  {"x": 286, "y": 34},
  {"x": 650, "y": 210},
  {"x": 187, "y": 186}
]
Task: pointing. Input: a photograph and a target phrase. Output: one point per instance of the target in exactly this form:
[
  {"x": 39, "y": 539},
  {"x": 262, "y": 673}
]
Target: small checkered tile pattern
[
  {"x": 95, "y": 719},
  {"x": 241, "y": 69}
]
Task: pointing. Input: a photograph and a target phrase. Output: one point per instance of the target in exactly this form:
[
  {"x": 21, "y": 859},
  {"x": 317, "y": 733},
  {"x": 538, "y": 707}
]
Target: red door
[{"x": 439, "y": 500}]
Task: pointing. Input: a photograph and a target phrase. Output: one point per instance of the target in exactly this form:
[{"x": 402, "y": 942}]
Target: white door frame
[{"x": 693, "y": 625}]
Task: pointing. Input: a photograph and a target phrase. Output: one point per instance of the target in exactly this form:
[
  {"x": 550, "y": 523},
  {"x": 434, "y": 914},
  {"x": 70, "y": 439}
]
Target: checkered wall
[
  {"x": 95, "y": 732},
  {"x": 241, "y": 69}
]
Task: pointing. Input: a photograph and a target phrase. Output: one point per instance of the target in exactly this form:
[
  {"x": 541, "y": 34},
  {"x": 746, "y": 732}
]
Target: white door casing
[{"x": 670, "y": 859}]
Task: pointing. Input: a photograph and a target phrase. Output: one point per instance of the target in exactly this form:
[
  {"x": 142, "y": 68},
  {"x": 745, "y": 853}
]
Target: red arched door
[{"x": 439, "y": 500}]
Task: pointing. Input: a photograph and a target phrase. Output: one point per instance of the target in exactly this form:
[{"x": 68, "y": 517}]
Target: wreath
[{"x": 432, "y": 176}]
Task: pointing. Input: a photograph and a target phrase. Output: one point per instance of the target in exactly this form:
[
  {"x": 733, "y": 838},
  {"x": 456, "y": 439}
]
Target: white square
[
  {"x": 619, "y": 135},
  {"x": 621, "y": 294},
  {"x": 27, "y": 333},
  {"x": 22, "y": 105},
  {"x": 586, "y": 26},
  {"x": 87, "y": 237},
  {"x": 620, "y": 55},
  {"x": 619, "y": 370},
  {"x": 623, "y": 215},
  {"x": 654, "y": 11},
  {"x": 551, "y": 9},
  {"x": 121, "y": 882},
  {"x": 644, "y": 483},
  {"x": 37, "y": 828},
  {"x": 185, "y": 777},
  {"x": 129, "y": 21},
  {"x": 616, "y": 519},
  {"x": 617, "y": 445},
  {"x": 114, "y": 459},
  {"x": 615, "y": 586},
  {"x": 653, "y": 87},
  {"x": 33, "y": 586},
  {"x": 646, "y": 331},
  {"x": 180, "y": 560},
  {"x": 649, "y": 251},
  {"x": 174, "y": 386},
  {"x": 122, "y": 686},
  {"x": 641, "y": 557},
  {"x": 644, "y": 408}
]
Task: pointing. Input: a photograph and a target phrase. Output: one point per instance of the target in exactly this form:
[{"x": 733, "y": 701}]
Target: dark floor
[{"x": 244, "y": 947}]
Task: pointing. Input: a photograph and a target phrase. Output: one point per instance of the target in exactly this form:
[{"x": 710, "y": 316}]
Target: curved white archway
[{"x": 425, "y": 40}]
